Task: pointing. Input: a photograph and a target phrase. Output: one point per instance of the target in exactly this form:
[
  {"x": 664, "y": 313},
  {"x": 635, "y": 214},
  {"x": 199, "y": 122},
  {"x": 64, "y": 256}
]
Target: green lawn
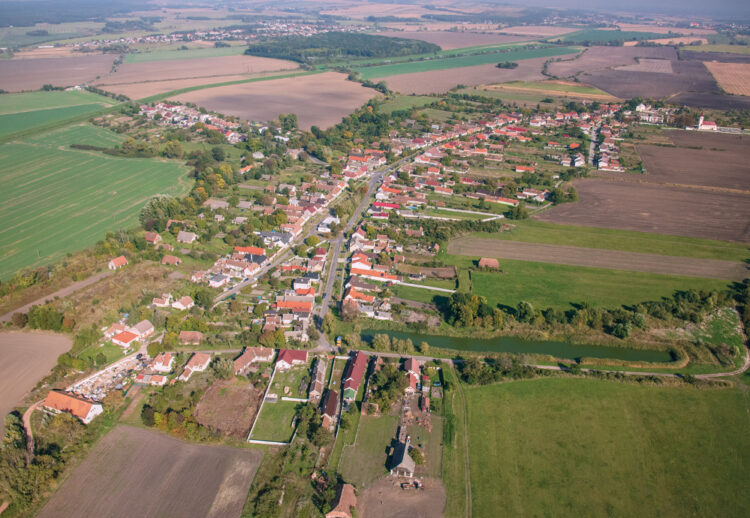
[
  {"x": 275, "y": 421},
  {"x": 162, "y": 55},
  {"x": 405, "y": 102},
  {"x": 598, "y": 36},
  {"x": 454, "y": 448},
  {"x": 54, "y": 199},
  {"x": 20, "y": 112},
  {"x": 555, "y": 285},
  {"x": 576, "y": 447},
  {"x": 734, "y": 49},
  {"x": 291, "y": 379},
  {"x": 112, "y": 352},
  {"x": 532, "y": 231},
  {"x": 364, "y": 462},
  {"x": 462, "y": 61}
]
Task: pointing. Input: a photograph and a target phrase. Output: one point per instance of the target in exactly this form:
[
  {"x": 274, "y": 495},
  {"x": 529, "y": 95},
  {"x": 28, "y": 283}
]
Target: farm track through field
[
  {"x": 599, "y": 258},
  {"x": 467, "y": 457}
]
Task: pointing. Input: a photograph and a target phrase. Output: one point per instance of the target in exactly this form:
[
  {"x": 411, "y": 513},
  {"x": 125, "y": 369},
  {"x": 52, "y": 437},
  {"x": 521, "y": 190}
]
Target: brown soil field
[
  {"x": 661, "y": 66},
  {"x": 722, "y": 163},
  {"x": 386, "y": 498},
  {"x": 55, "y": 52},
  {"x": 596, "y": 258},
  {"x": 725, "y": 57},
  {"x": 149, "y": 88},
  {"x": 660, "y": 210},
  {"x": 18, "y": 75},
  {"x": 318, "y": 100},
  {"x": 733, "y": 78},
  {"x": 191, "y": 68},
  {"x": 25, "y": 358},
  {"x": 454, "y": 39},
  {"x": 440, "y": 81},
  {"x": 600, "y": 58},
  {"x": 136, "y": 472},
  {"x": 542, "y": 31},
  {"x": 229, "y": 406}
]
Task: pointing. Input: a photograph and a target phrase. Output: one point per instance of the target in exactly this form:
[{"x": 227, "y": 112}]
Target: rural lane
[{"x": 59, "y": 293}]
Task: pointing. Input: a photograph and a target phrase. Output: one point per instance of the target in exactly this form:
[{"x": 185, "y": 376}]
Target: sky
[{"x": 725, "y": 8}]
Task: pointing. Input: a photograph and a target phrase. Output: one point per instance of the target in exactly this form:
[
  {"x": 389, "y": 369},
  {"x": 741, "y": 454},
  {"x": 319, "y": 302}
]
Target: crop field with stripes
[{"x": 54, "y": 199}]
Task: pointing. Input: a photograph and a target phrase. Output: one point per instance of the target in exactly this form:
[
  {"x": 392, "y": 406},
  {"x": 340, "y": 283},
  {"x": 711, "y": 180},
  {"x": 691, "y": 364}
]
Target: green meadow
[
  {"x": 54, "y": 199},
  {"x": 598, "y": 36},
  {"x": 581, "y": 447},
  {"x": 428, "y": 65},
  {"x": 163, "y": 55}
]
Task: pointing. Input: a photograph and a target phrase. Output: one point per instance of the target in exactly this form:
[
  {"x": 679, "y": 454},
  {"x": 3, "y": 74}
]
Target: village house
[
  {"x": 163, "y": 363},
  {"x": 250, "y": 356},
  {"x": 329, "y": 409},
  {"x": 170, "y": 260},
  {"x": 345, "y": 501},
  {"x": 124, "y": 339},
  {"x": 218, "y": 281},
  {"x": 151, "y": 379},
  {"x": 353, "y": 374},
  {"x": 289, "y": 358},
  {"x": 152, "y": 238},
  {"x": 117, "y": 263},
  {"x": 317, "y": 383},
  {"x": 402, "y": 464},
  {"x": 114, "y": 330},
  {"x": 190, "y": 337},
  {"x": 183, "y": 303},
  {"x": 186, "y": 237},
  {"x": 411, "y": 366},
  {"x": 197, "y": 363},
  {"x": 162, "y": 302},
  {"x": 82, "y": 408},
  {"x": 142, "y": 329}
]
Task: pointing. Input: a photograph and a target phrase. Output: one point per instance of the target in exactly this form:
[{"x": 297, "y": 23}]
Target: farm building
[
  {"x": 402, "y": 465},
  {"x": 191, "y": 337},
  {"x": 353, "y": 374},
  {"x": 171, "y": 260},
  {"x": 183, "y": 303},
  {"x": 288, "y": 358},
  {"x": 118, "y": 262},
  {"x": 79, "y": 407},
  {"x": 142, "y": 329},
  {"x": 488, "y": 262},
  {"x": 411, "y": 366},
  {"x": 345, "y": 501},
  {"x": 317, "y": 383}
]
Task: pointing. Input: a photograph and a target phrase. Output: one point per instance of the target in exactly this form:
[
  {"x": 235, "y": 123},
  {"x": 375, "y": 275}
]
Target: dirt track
[
  {"x": 596, "y": 258},
  {"x": 135, "y": 472}
]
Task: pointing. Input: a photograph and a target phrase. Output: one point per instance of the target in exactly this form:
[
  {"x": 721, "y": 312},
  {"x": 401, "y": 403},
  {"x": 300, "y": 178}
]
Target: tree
[
  {"x": 424, "y": 348},
  {"x": 381, "y": 342},
  {"x": 203, "y": 297},
  {"x": 218, "y": 153},
  {"x": 223, "y": 368},
  {"x": 19, "y": 319},
  {"x": 417, "y": 456},
  {"x": 173, "y": 149},
  {"x": 312, "y": 241}
]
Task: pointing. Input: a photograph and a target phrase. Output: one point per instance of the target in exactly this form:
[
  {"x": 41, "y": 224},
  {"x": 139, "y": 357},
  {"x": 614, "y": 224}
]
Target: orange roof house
[
  {"x": 83, "y": 409},
  {"x": 254, "y": 250},
  {"x": 294, "y": 305},
  {"x": 124, "y": 339},
  {"x": 118, "y": 262}
]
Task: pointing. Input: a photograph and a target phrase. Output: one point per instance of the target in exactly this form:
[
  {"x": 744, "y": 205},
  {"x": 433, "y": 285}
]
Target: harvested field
[
  {"x": 733, "y": 78},
  {"x": 642, "y": 207},
  {"x": 229, "y": 406},
  {"x": 554, "y": 88},
  {"x": 677, "y": 40},
  {"x": 599, "y": 58},
  {"x": 448, "y": 40},
  {"x": 685, "y": 165},
  {"x": 136, "y": 472},
  {"x": 661, "y": 66},
  {"x": 541, "y": 31},
  {"x": 664, "y": 30},
  {"x": 54, "y": 52},
  {"x": 26, "y": 358},
  {"x": 438, "y": 81},
  {"x": 143, "y": 79},
  {"x": 597, "y": 258},
  {"x": 318, "y": 100},
  {"x": 17, "y": 75},
  {"x": 386, "y": 498}
]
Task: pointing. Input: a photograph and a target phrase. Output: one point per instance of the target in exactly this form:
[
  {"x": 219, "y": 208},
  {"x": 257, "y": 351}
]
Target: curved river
[{"x": 510, "y": 344}]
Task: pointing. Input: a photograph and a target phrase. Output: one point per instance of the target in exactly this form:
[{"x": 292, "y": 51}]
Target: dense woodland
[{"x": 332, "y": 46}]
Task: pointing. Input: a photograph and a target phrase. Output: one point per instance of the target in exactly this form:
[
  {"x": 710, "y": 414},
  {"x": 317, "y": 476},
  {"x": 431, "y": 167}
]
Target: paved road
[{"x": 59, "y": 293}]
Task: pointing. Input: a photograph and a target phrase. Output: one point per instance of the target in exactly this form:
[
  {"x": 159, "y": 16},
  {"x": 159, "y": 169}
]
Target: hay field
[
  {"x": 143, "y": 79},
  {"x": 17, "y": 75},
  {"x": 54, "y": 199},
  {"x": 448, "y": 40},
  {"x": 733, "y": 78},
  {"x": 565, "y": 89},
  {"x": 599, "y": 448},
  {"x": 24, "y": 359},
  {"x": 136, "y": 472},
  {"x": 438, "y": 81},
  {"x": 318, "y": 99}
]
